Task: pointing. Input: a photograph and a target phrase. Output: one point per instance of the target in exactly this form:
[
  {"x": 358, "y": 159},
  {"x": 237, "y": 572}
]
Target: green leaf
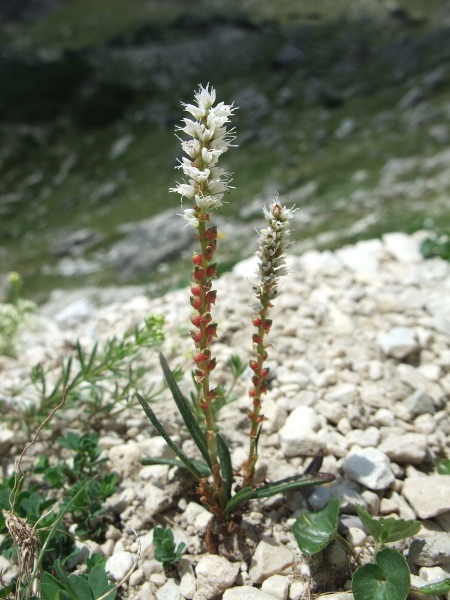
[
  {"x": 173, "y": 462},
  {"x": 225, "y": 464},
  {"x": 443, "y": 466},
  {"x": 436, "y": 589},
  {"x": 191, "y": 422},
  {"x": 278, "y": 487},
  {"x": 315, "y": 530},
  {"x": 388, "y": 579},
  {"x": 163, "y": 433},
  {"x": 80, "y": 587},
  {"x": 387, "y": 529},
  {"x": 99, "y": 584}
]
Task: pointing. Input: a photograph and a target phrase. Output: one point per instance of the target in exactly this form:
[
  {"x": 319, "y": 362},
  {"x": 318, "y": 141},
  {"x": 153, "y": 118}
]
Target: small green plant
[
  {"x": 438, "y": 245},
  {"x": 166, "y": 552},
  {"x": 14, "y": 314},
  {"x": 102, "y": 380},
  {"x": 443, "y": 466},
  {"x": 33, "y": 519},
  {"x": 388, "y": 577},
  {"x": 87, "y": 506},
  {"x": 204, "y": 185},
  {"x": 91, "y": 585}
]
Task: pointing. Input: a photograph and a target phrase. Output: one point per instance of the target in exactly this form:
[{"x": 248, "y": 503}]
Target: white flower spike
[{"x": 205, "y": 183}]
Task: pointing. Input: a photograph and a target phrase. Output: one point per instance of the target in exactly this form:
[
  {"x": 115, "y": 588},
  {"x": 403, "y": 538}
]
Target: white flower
[
  {"x": 205, "y": 182},
  {"x": 208, "y": 202},
  {"x": 186, "y": 190},
  {"x": 190, "y": 216},
  {"x": 273, "y": 241}
]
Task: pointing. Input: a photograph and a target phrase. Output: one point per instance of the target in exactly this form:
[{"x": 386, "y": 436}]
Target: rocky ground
[{"x": 360, "y": 368}]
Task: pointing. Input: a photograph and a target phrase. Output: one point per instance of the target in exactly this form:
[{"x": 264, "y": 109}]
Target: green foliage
[
  {"x": 313, "y": 531},
  {"x": 36, "y": 90},
  {"x": 86, "y": 502},
  {"x": 103, "y": 106},
  {"x": 14, "y": 314},
  {"x": 102, "y": 383},
  {"x": 387, "y": 530},
  {"x": 436, "y": 246},
  {"x": 199, "y": 471},
  {"x": 443, "y": 466},
  {"x": 387, "y": 579},
  {"x": 436, "y": 589},
  {"x": 87, "y": 586},
  {"x": 165, "y": 550},
  {"x": 85, "y": 491}
]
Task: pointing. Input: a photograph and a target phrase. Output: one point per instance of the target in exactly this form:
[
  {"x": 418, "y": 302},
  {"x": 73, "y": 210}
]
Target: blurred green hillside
[{"x": 344, "y": 110}]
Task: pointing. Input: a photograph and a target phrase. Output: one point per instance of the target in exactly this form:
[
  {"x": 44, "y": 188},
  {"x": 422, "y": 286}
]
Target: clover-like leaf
[
  {"x": 315, "y": 530},
  {"x": 388, "y": 529},
  {"x": 388, "y": 579}
]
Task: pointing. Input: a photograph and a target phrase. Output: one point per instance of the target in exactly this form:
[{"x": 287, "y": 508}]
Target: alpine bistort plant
[
  {"x": 204, "y": 186},
  {"x": 273, "y": 242}
]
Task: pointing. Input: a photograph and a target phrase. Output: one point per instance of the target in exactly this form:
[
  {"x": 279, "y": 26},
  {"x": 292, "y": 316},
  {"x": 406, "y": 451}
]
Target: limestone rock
[
  {"x": 269, "y": 559},
  {"x": 303, "y": 419},
  {"x": 398, "y": 342},
  {"x": 430, "y": 550},
  {"x": 369, "y": 467},
  {"x": 118, "y": 565},
  {"x": 169, "y": 591},
  {"x": 246, "y": 592},
  {"x": 215, "y": 574},
  {"x": 276, "y": 586},
  {"x": 408, "y": 448},
  {"x": 428, "y": 497}
]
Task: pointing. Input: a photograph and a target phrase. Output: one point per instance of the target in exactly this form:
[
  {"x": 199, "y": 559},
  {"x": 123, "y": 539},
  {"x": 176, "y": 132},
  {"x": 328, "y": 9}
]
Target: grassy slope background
[{"x": 344, "y": 110}]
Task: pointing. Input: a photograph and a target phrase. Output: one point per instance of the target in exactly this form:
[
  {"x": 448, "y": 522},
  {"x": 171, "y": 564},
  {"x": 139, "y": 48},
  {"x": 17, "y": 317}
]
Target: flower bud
[
  {"x": 267, "y": 324},
  {"x": 197, "y": 336},
  {"x": 199, "y": 376},
  {"x": 206, "y": 317},
  {"x": 208, "y": 253},
  {"x": 264, "y": 372},
  {"x": 198, "y": 272},
  {"x": 212, "y": 364},
  {"x": 196, "y": 290},
  {"x": 211, "y": 330},
  {"x": 196, "y": 302},
  {"x": 197, "y": 259},
  {"x": 253, "y": 364},
  {"x": 257, "y": 339},
  {"x": 196, "y": 320},
  {"x": 256, "y": 321},
  {"x": 211, "y": 270},
  {"x": 211, "y": 233},
  {"x": 198, "y": 358},
  {"x": 256, "y": 380},
  {"x": 211, "y": 297},
  {"x": 213, "y": 394},
  {"x": 207, "y": 285}
]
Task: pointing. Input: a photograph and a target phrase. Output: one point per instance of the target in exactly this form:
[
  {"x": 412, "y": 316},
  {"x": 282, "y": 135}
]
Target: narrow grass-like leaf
[
  {"x": 173, "y": 462},
  {"x": 436, "y": 589},
  {"x": 278, "y": 487},
  {"x": 388, "y": 579},
  {"x": 315, "y": 530},
  {"x": 163, "y": 433},
  {"x": 191, "y": 423},
  {"x": 387, "y": 529},
  {"x": 225, "y": 464}
]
